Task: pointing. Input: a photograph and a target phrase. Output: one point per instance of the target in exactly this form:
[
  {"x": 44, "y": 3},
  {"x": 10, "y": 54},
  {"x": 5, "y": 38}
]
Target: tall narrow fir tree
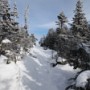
[{"x": 80, "y": 24}]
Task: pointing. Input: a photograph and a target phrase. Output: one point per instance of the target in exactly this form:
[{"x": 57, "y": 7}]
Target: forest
[
  {"x": 72, "y": 44},
  {"x": 59, "y": 61}
]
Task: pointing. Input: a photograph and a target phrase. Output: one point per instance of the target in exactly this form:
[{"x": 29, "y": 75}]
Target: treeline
[
  {"x": 14, "y": 40},
  {"x": 72, "y": 44}
]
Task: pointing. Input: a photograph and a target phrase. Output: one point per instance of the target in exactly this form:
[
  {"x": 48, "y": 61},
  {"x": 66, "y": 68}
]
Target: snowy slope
[{"x": 35, "y": 73}]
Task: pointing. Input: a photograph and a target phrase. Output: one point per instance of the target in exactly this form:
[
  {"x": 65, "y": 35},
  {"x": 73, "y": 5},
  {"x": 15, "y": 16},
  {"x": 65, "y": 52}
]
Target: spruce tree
[
  {"x": 62, "y": 19},
  {"x": 80, "y": 24},
  {"x": 10, "y": 31}
]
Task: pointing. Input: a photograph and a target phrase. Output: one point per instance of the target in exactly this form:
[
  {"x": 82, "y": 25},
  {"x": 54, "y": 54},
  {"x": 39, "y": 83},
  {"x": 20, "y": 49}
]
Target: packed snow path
[{"x": 35, "y": 73}]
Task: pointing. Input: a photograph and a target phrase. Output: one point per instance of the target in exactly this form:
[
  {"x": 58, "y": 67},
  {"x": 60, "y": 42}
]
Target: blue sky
[{"x": 43, "y": 13}]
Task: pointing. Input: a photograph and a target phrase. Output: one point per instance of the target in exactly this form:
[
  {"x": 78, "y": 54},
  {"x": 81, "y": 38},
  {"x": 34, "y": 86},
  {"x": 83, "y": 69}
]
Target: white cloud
[{"x": 47, "y": 25}]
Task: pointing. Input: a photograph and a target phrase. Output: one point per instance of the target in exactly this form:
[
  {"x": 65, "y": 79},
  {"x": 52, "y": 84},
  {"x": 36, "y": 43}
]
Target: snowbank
[
  {"x": 6, "y": 41},
  {"x": 2, "y": 59},
  {"x": 82, "y": 79}
]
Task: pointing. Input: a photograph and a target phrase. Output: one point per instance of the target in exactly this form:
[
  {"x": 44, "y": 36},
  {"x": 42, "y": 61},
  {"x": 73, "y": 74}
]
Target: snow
[
  {"x": 34, "y": 72},
  {"x": 82, "y": 79},
  {"x": 8, "y": 77},
  {"x": 2, "y": 59},
  {"x": 6, "y": 41}
]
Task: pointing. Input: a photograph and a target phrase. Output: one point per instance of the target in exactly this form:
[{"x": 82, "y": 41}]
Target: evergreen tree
[
  {"x": 42, "y": 41},
  {"x": 49, "y": 40},
  {"x": 33, "y": 39},
  {"x": 80, "y": 24},
  {"x": 62, "y": 19},
  {"x": 10, "y": 31}
]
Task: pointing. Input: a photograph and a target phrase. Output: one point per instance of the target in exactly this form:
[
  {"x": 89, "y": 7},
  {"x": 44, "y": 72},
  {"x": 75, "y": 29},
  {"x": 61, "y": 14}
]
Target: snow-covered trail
[
  {"x": 34, "y": 73},
  {"x": 39, "y": 75}
]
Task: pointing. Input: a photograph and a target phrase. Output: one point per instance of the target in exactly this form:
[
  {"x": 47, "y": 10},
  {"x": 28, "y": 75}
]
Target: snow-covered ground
[{"x": 34, "y": 72}]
